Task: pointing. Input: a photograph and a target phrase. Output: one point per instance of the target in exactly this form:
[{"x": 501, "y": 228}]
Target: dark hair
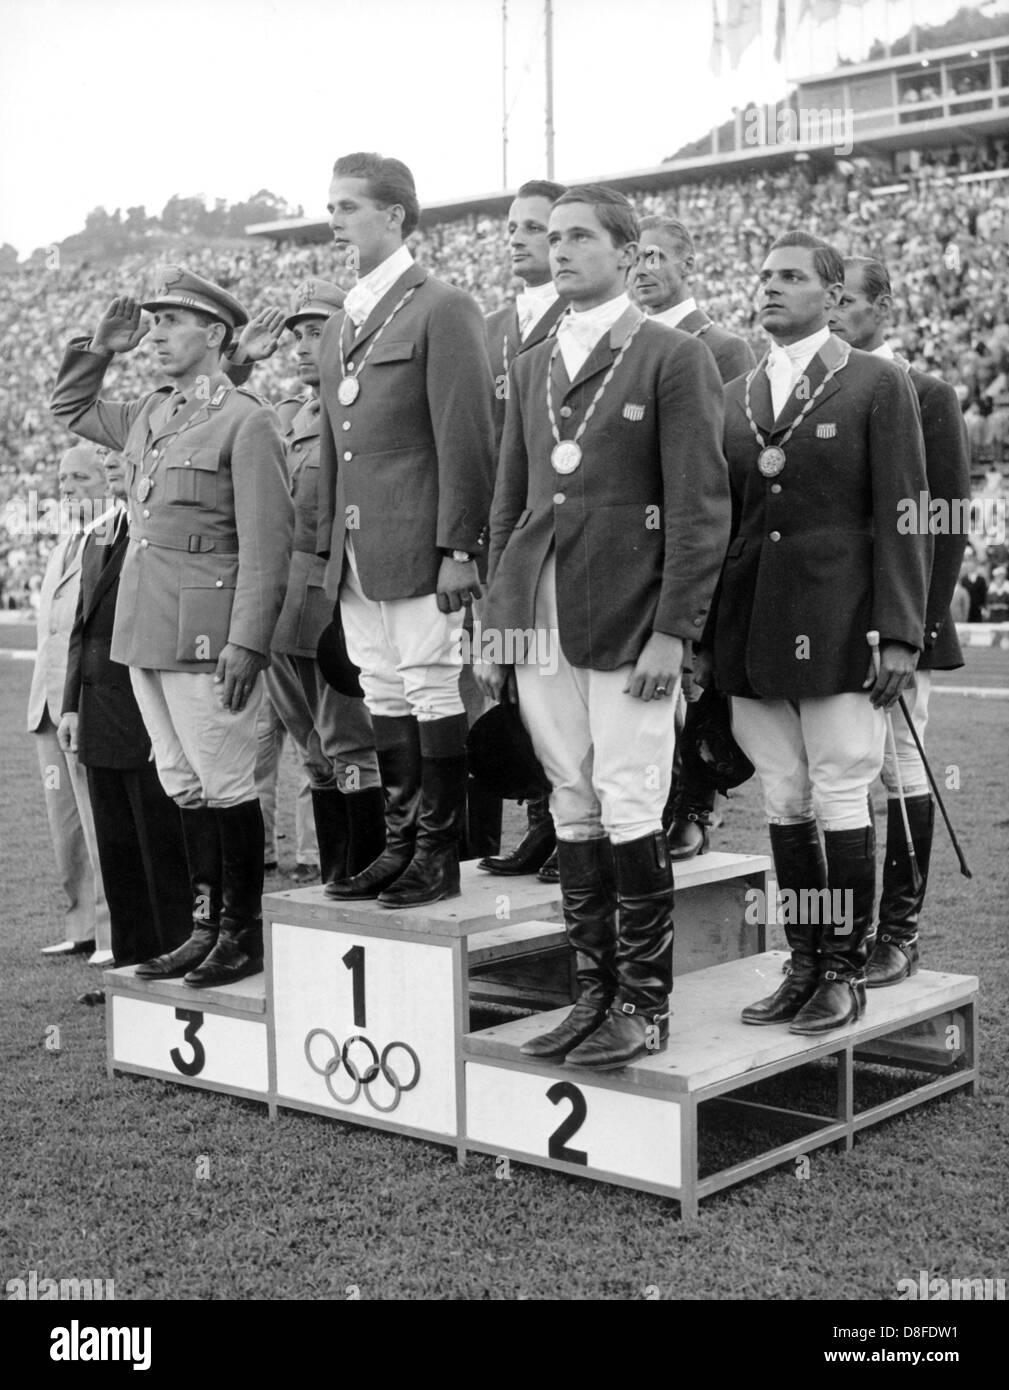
[
  {"x": 827, "y": 261},
  {"x": 542, "y": 188},
  {"x": 205, "y": 320},
  {"x": 673, "y": 228},
  {"x": 615, "y": 213},
  {"x": 389, "y": 182},
  {"x": 875, "y": 276}
]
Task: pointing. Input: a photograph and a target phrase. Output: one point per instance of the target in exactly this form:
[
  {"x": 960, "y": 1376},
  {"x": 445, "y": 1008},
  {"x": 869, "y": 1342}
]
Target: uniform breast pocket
[
  {"x": 191, "y": 477},
  {"x": 391, "y": 352}
]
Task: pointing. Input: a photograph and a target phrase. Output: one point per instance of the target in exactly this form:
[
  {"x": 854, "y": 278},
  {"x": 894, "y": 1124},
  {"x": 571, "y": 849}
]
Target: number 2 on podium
[{"x": 354, "y": 961}]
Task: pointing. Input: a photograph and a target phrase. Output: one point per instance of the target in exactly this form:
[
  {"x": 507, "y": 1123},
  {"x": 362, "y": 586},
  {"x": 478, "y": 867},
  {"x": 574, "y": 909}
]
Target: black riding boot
[
  {"x": 589, "y": 895},
  {"x": 433, "y": 872},
  {"x": 483, "y": 821},
  {"x": 332, "y": 831},
  {"x": 839, "y": 997},
  {"x": 799, "y": 867},
  {"x": 895, "y": 955},
  {"x": 397, "y": 744},
  {"x": 366, "y": 824},
  {"x": 638, "y": 1018},
  {"x": 239, "y": 949},
  {"x": 691, "y": 819},
  {"x": 535, "y": 848},
  {"x": 203, "y": 852}
]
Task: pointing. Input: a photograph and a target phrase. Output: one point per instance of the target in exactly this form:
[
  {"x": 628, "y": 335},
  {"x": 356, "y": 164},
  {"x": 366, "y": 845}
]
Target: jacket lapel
[
  {"x": 601, "y": 357},
  {"x": 544, "y": 326},
  {"x": 694, "y": 322},
  {"x": 760, "y": 397},
  {"x": 96, "y": 584},
  {"x": 194, "y": 410},
  {"x": 416, "y": 275},
  {"x": 833, "y": 356}
]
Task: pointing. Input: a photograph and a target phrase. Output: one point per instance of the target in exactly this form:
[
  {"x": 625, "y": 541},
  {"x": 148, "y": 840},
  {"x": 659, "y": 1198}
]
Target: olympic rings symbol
[{"x": 379, "y": 1066}]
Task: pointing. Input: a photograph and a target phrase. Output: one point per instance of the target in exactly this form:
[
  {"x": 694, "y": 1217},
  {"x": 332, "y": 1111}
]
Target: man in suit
[
  {"x": 64, "y": 785},
  {"x": 860, "y": 319},
  {"x": 331, "y": 731},
  {"x": 511, "y": 330},
  {"x": 137, "y": 825},
  {"x": 201, "y": 588},
  {"x": 661, "y": 285},
  {"x": 823, "y": 443},
  {"x": 609, "y": 523},
  {"x": 405, "y": 477}
]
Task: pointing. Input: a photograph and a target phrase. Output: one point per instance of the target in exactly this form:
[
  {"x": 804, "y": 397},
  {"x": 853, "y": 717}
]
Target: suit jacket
[
  {"x": 816, "y": 558},
  {"x": 110, "y": 730},
  {"x": 307, "y": 608},
  {"x": 732, "y": 354},
  {"x": 57, "y": 607},
  {"x": 210, "y": 545},
  {"x": 504, "y": 344},
  {"x": 640, "y": 527},
  {"x": 947, "y": 466},
  {"x": 408, "y": 468}
]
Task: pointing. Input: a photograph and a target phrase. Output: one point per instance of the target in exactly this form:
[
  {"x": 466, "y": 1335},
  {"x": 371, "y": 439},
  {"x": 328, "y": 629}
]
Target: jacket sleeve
[
  {"x": 327, "y": 461},
  {"x": 734, "y": 358},
  {"x": 512, "y": 486},
  {"x": 72, "y": 684},
  {"x": 75, "y": 400},
  {"x": 947, "y": 463},
  {"x": 902, "y": 558},
  {"x": 264, "y": 519},
  {"x": 459, "y": 390},
  {"x": 696, "y": 507}
]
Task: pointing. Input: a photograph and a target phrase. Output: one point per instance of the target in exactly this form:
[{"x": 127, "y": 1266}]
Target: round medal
[
  {"x": 566, "y": 456},
  {"x": 348, "y": 390},
  {"x": 771, "y": 461},
  {"x": 144, "y": 489}
]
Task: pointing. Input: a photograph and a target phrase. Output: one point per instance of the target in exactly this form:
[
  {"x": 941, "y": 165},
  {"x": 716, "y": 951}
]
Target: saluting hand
[
  {"x": 121, "y": 327},
  {"x": 657, "y": 669},
  {"x": 260, "y": 337},
  {"x": 237, "y": 670}
]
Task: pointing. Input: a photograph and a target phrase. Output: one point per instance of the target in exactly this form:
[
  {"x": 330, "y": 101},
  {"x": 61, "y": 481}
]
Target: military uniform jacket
[
  {"x": 947, "y": 466},
  {"x": 816, "y": 559},
  {"x": 408, "y": 468},
  {"x": 504, "y": 343},
  {"x": 210, "y": 544},
  {"x": 307, "y": 609},
  {"x": 640, "y": 527},
  {"x": 731, "y": 353}
]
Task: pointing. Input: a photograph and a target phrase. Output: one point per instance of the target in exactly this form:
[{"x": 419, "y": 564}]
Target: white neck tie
[
  {"x": 780, "y": 372},
  {"x": 359, "y": 303}
]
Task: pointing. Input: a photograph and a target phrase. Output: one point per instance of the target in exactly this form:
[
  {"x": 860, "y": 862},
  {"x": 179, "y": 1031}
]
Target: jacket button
[
  {"x": 347, "y": 456},
  {"x": 775, "y": 487},
  {"x": 565, "y": 412},
  {"x": 219, "y": 583},
  {"x": 146, "y": 513},
  {"x": 775, "y": 535},
  {"x": 188, "y": 463},
  {"x": 296, "y": 449},
  {"x": 559, "y": 497},
  {"x": 698, "y": 621},
  {"x": 144, "y": 543},
  {"x": 154, "y": 453}
]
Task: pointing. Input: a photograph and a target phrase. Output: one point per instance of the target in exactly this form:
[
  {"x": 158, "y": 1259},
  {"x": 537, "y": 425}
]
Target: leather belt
[{"x": 193, "y": 544}]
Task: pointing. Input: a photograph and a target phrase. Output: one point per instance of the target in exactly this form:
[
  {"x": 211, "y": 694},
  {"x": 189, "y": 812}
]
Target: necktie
[
  {"x": 70, "y": 554},
  {"x": 359, "y": 303}
]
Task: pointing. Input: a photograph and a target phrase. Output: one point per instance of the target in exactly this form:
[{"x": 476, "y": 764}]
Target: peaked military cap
[
  {"x": 314, "y": 299},
  {"x": 186, "y": 290}
]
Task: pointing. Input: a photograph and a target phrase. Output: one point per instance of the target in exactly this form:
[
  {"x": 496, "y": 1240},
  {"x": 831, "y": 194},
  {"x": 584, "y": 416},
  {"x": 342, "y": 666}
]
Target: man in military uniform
[
  {"x": 860, "y": 319},
  {"x": 405, "y": 477},
  {"x": 511, "y": 330},
  {"x": 661, "y": 285},
  {"x": 823, "y": 442},
  {"x": 331, "y": 731},
  {"x": 201, "y": 588}
]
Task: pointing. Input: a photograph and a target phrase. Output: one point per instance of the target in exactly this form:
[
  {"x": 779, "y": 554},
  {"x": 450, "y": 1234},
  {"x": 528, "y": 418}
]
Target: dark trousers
[{"x": 143, "y": 859}]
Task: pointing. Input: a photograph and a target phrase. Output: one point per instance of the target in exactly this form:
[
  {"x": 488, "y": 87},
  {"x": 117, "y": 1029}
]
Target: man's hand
[
  {"x": 496, "y": 682},
  {"x": 66, "y": 733},
  {"x": 260, "y": 337},
  {"x": 121, "y": 327},
  {"x": 897, "y": 663},
  {"x": 237, "y": 669},
  {"x": 657, "y": 668},
  {"x": 458, "y": 584}
]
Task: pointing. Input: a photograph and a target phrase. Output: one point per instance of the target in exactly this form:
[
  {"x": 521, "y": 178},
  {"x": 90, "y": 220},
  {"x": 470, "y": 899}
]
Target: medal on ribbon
[
  {"x": 348, "y": 390},
  {"x": 771, "y": 461},
  {"x": 566, "y": 456},
  {"x": 144, "y": 488},
  {"x": 350, "y": 386}
]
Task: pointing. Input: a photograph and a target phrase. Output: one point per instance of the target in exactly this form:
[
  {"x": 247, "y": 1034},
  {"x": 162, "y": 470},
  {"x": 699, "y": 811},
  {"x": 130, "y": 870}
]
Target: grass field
[{"x": 100, "y": 1175}]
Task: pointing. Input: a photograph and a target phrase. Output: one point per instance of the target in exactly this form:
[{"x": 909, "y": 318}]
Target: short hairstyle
[
  {"x": 673, "y": 228},
  {"x": 615, "y": 213},
  {"x": 875, "y": 276},
  {"x": 389, "y": 182},
  {"x": 205, "y": 320},
  {"x": 542, "y": 188},
  {"x": 827, "y": 261}
]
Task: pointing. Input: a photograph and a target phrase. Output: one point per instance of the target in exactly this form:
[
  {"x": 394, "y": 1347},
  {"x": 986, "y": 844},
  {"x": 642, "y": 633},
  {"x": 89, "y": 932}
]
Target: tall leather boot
[
  {"x": 433, "y": 872},
  {"x": 366, "y": 822},
  {"x": 332, "y": 832},
  {"x": 536, "y": 846},
  {"x": 691, "y": 819},
  {"x": 589, "y": 896},
  {"x": 203, "y": 853},
  {"x": 397, "y": 744},
  {"x": 799, "y": 864},
  {"x": 483, "y": 821},
  {"x": 839, "y": 997},
  {"x": 239, "y": 949},
  {"x": 895, "y": 954},
  {"x": 638, "y": 1019}
]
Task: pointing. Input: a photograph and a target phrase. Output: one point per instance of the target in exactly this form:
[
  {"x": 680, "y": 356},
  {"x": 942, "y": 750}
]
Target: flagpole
[
  {"x": 549, "y": 19},
  {"x": 504, "y": 93}
]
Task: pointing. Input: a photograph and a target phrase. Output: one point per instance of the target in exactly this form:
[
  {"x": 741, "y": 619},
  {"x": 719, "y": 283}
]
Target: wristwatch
[{"x": 462, "y": 557}]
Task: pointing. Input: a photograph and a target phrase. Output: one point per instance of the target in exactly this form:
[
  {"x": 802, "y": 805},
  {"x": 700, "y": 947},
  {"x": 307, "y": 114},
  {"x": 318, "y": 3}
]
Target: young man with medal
[
  {"x": 609, "y": 523},
  {"x": 405, "y": 478},
  {"x": 823, "y": 444},
  {"x": 201, "y": 587},
  {"x": 511, "y": 330},
  {"x": 860, "y": 319}
]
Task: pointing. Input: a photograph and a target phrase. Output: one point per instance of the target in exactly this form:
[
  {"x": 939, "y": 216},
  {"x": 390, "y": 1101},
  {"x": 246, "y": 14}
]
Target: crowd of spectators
[{"x": 946, "y": 242}]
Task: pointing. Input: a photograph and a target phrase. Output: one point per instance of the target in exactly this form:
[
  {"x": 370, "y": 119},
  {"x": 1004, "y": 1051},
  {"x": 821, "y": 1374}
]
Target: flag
[
  {"x": 717, "y": 40},
  {"x": 743, "y": 21},
  {"x": 779, "y": 32}
]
